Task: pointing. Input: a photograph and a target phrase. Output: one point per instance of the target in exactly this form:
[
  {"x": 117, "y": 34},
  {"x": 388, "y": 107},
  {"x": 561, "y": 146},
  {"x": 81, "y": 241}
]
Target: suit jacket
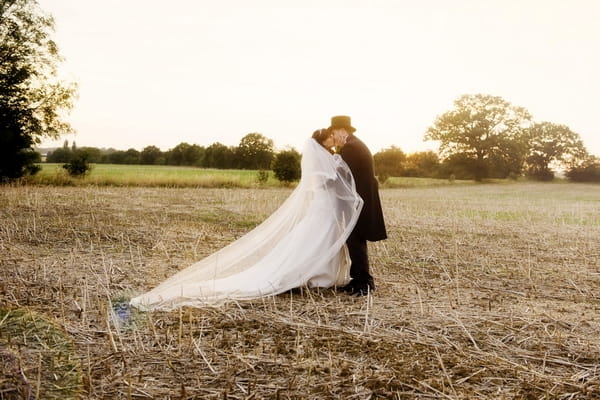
[{"x": 356, "y": 154}]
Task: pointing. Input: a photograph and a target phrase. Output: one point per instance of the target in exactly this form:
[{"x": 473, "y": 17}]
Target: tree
[
  {"x": 115, "y": 157},
  {"x": 425, "y": 164},
  {"x": 286, "y": 166},
  {"x": 195, "y": 155},
  {"x": 92, "y": 154},
  {"x": 485, "y": 133},
  {"x": 389, "y": 162},
  {"x": 217, "y": 155},
  {"x": 59, "y": 155},
  {"x": 255, "y": 151},
  {"x": 131, "y": 156},
  {"x": 185, "y": 154},
  {"x": 150, "y": 155},
  {"x": 32, "y": 98},
  {"x": 549, "y": 144}
]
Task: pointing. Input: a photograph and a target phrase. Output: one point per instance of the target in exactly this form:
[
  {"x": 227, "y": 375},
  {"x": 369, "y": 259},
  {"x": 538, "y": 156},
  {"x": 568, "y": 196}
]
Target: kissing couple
[{"x": 316, "y": 238}]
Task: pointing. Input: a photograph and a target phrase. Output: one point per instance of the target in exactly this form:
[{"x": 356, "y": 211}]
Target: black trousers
[{"x": 359, "y": 257}]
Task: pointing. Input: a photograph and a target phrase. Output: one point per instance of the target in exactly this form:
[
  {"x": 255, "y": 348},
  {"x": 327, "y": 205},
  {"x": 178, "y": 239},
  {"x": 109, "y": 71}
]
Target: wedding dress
[{"x": 301, "y": 243}]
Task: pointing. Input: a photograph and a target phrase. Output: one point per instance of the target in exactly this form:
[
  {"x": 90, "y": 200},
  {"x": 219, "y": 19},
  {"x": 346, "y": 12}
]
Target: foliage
[
  {"x": 151, "y": 155},
  {"x": 255, "y": 151},
  {"x": 130, "y": 156},
  {"x": 550, "y": 143},
  {"x": 484, "y": 133},
  {"x": 61, "y": 154},
  {"x": 286, "y": 166},
  {"x": 540, "y": 173},
  {"x": 586, "y": 171},
  {"x": 78, "y": 165},
  {"x": 389, "y": 162},
  {"x": 32, "y": 98},
  {"x": 217, "y": 155},
  {"x": 424, "y": 164},
  {"x": 382, "y": 178},
  {"x": 93, "y": 154},
  {"x": 508, "y": 160},
  {"x": 185, "y": 154},
  {"x": 458, "y": 166},
  {"x": 262, "y": 176}
]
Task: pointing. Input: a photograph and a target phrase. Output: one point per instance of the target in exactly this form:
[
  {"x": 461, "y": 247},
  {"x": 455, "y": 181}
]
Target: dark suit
[{"x": 370, "y": 225}]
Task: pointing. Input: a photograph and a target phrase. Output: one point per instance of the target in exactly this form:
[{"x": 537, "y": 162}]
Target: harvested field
[{"x": 484, "y": 292}]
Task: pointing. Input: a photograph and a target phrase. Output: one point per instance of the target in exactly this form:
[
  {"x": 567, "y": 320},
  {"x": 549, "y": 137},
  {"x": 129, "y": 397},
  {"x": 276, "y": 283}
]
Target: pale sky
[{"x": 160, "y": 73}]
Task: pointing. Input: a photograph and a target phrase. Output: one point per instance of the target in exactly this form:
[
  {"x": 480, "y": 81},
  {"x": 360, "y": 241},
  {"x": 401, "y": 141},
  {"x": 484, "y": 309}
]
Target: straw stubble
[{"x": 484, "y": 291}]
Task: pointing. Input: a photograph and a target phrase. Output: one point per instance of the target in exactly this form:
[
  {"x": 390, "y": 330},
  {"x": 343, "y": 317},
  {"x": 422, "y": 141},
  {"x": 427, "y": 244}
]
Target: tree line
[
  {"x": 481, "y": 137},
  {"x": 255, "y": 151}
]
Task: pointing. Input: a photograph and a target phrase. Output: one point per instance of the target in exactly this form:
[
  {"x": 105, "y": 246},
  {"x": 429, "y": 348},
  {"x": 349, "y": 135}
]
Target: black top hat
[{"x": 342, "y": 121}]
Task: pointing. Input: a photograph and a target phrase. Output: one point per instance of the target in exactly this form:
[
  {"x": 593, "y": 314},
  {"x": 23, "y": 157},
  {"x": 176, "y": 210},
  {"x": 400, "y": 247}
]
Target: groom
[{"x": 370, "y": 225}]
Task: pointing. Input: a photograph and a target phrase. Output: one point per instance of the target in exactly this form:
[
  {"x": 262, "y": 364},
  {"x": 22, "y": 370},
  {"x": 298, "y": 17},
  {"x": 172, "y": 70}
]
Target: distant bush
[
  {"x": 513, "y": 176},
  {"x": 383, "y": 177},
  {"x": 262, "y": 176},
  {"x": 78, "y": 165},
  {"x": 286, "y": 166},
  {"x": 540, "y": 174}
]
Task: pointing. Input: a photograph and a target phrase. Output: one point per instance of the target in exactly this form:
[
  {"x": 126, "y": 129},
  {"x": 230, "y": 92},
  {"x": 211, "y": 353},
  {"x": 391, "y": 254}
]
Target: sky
[{"x": 160, "y": 73}]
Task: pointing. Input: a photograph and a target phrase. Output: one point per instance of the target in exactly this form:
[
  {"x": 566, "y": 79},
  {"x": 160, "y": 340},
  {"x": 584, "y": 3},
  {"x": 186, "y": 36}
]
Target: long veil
[{"x": 301, "y": 243}]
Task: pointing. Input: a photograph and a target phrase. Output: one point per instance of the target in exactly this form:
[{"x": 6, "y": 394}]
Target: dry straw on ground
[{"x": 484, "y": 292}]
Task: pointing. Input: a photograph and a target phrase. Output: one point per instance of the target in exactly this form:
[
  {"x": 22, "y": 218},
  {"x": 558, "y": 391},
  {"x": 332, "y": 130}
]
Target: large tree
[
  {"x": 32, "y": 98},
  {"x": 255, "y": 151},
  {"x": 485, "y": 133},
  {"x": 549, "y": 144}
]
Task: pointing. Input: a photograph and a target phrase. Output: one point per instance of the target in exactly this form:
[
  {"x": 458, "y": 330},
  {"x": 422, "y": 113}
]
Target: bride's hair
[{"x": 320, "y": 135}]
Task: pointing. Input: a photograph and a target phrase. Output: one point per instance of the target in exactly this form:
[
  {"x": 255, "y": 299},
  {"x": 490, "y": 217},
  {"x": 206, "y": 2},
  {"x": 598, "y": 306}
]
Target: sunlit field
[
  {"x": 483, "y": 292},
  {"x": 180, "y": 177},
  {"x": 151, "y": 175}
]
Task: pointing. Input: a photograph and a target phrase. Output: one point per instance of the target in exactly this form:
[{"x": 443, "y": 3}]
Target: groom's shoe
[
  {"x": 363, "y": 289},
  {"x": 349, "y": 288}
]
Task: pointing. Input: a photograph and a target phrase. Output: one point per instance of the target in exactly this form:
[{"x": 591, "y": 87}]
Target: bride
[{"x": 301, "y": 244}]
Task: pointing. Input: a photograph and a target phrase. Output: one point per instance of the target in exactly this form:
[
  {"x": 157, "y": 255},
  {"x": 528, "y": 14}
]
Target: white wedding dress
[{"x": 301, "y": 243}]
